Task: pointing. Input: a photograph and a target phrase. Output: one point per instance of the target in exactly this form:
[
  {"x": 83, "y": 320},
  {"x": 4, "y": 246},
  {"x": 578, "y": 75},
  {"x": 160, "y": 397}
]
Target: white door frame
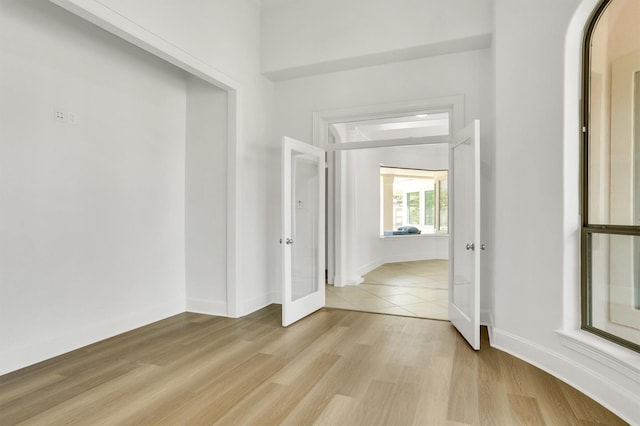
[
  {"x": 337, "y": 254},
  {"x": 107, "y": 19}
]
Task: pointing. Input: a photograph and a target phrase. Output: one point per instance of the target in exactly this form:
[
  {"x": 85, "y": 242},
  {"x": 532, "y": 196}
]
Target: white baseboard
[
  {"x": 365, "y": 269},
  {"x": 408, "y": 257},
  {"x": 593, "y": 384},
  {"x": 276, "y": 297},
  {"x": 14, "y": 358},
  {"x": 255, "y": 304},
  {"x": 208, "y": 307},
  {"x": 339, "y": 281},
  {"x": 486, "y": 318}
]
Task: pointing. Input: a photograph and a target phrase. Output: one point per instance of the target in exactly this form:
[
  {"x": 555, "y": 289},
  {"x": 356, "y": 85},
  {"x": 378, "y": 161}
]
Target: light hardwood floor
[{"x": 335, "y": 367}]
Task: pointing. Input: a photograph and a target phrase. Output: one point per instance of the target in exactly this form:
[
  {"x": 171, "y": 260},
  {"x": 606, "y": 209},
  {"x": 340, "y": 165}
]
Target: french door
[
  {"x": 464, "y": 233},
  {"x": 303, "y": 221}
]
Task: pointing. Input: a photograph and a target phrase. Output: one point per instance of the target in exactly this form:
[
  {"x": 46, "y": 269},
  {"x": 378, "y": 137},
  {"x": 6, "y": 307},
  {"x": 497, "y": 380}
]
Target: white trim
[
  {"x": 365, "y": 269},
  {"x": 256, "y": 303},
  {"x": 453, "y": 104},
  {"x": 275, "y": 297},
  {"x": 600, "y": 388},
  {"x": 339, "y": 281},
  {"x": 234, "y": 136},
  {"x": 486, "y": 319},
  {"x": 108, "y": 19},
  {"x": 208, "y": 307},
  {"x": 336, "y": 240},
  {"x": 481, "y": 41},
  {"x": 623, "y": 360},
  {"x": 425, "y": 140}
]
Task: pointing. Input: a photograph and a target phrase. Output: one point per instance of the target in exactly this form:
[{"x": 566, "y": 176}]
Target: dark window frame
[{"x": 589, "y": 229}]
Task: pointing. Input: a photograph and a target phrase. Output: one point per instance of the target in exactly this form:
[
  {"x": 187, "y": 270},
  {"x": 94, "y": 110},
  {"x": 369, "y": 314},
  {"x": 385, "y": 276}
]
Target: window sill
[
  {"x": 397, "y": 237},
  {"x": 623, "y": 360}
]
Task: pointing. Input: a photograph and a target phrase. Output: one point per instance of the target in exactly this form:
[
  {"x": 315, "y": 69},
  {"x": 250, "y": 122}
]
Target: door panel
[
  {"x": 465, "y": 245},
  {"x": 303, "y": 245}
]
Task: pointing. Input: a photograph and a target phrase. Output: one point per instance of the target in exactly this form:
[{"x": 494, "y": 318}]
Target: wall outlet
[{"x": 59, "y": 115}]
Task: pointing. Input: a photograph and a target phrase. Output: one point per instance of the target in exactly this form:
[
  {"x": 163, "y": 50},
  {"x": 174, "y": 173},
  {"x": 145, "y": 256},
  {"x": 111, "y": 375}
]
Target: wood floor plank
[
  {"x": 525, "y": 410},
  {"x": 434, "y": 391},
  {"x": 587, "y": 410},
  {"x": 375, "y": 405},
  {"x": 22, "y": 389},
  {"x": 57, "y": 393},
  {"x": 493, "y": 401},
  {"x": 334, "y": 367},
  {"x": 280, "y": 400},
  {"x": 463, "y": 394},
  {"x": 214, "y": 401},
  {"x": 337, "y": 411},
  {"x": 81, "y": 409}
]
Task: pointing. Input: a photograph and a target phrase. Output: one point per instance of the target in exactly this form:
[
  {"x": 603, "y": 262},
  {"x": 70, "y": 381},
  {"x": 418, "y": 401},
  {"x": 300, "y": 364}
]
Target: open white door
[
  {"x": 303, "y": 212},
  {"x": 464, "y": 233}
]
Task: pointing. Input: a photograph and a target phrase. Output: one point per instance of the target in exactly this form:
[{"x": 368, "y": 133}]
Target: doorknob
[
  {"x": 288, "y": 241},
  {"x": 470, "y": 246},
  {"x": 483, "y": 246}
]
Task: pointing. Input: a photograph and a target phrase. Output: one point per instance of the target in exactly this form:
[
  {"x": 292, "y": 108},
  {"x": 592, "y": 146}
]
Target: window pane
[
  {"x": 429, "y": 207},
  {"x": 411, "y": 197},
  {"x": 611, "y": 223},
  {"x": 305, "y": 273},
  {"x": 444, "y": 206},
  {"x": 614, "y": 136},
  {"x": 413, "y": 208},
  {"x": 615, "y": 285}
]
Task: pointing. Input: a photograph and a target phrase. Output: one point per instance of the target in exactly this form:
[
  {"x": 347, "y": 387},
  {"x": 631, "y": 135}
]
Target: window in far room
[
  {"x": 611, "y": 174},
  {"x": 413, "y": 201}
]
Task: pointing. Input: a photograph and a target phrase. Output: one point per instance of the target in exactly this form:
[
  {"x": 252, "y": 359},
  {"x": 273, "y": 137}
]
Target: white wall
[
  {"x": 309, "y": 36},
  {"x": 468, "y": 74},
  {"x": 369, "y": 250},
  {"x": 206, "y": 192},
  {"x": 225, "y": 34},
  {"x": 91, "y": 213},
  {"x": 537, "y": 222}
]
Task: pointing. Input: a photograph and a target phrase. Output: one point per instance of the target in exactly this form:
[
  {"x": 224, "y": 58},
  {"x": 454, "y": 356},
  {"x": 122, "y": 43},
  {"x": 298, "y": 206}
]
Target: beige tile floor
[{"x": 415, "y": 289}]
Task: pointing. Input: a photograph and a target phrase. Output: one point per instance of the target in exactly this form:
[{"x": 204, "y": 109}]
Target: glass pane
[
  {"x": 463, "y": 233},
  {"x": 415, "y": 125},
  {"x": 636, "y": 142},
  {"x": 614, "y": 133},
  {"x": 444, "y": 206},
  {"x": 429, "y": 207},
  {"x": 304, "y": 249},
  {"x": 413, "y": 208},
  {"x": 614, "y": 285}
]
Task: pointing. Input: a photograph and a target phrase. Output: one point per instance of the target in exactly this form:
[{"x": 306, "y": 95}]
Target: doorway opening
[
  {"x": 393, "y": 263},
  {"x": 464, "y": 221},
  {"x": 396, "y": 246}
]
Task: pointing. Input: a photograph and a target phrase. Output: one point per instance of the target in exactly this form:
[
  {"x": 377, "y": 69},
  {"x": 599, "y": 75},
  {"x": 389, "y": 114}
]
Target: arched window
[{"x": 610, "y": 252}]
